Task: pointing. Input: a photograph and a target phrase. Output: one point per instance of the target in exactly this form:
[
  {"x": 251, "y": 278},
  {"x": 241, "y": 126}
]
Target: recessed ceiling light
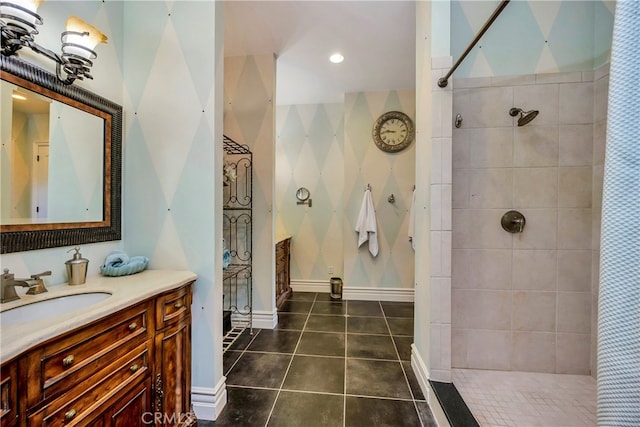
[{"x": 336, "y": 58}]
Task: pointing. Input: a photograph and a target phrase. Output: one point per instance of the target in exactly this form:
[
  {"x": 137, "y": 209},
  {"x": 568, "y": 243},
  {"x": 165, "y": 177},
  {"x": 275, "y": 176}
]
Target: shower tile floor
[
  {"x": 501, "y": 398},
  {"x": 344, "y": 363}
]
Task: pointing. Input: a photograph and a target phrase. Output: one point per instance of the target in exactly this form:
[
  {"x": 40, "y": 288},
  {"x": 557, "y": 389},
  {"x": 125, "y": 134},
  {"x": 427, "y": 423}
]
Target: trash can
[{"x": 336, "y": 288}]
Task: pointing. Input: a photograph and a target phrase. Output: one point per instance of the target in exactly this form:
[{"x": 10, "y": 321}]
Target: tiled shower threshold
[{"x": 508, "y": 398}]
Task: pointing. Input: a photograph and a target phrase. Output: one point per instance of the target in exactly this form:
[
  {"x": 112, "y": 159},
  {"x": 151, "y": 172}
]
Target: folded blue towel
[
  {"x": 116, "y": 259},
  {"x": 118, "y": 263},
  {"x": 226, "y": 259},
  {"x": 226, "y": 255}
]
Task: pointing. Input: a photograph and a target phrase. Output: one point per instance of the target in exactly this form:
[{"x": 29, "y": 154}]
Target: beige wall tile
[
  {"x": 534, "y": 311},
  {"x": 599, "y": 142},
  {"x": 460, "y": 190},
  {"x": 541, "y": 97},
  {"x": 488, "y": 233},
  {"x": 536, "y": 146},
  {"x": 540, "y": 230},
  {"x": 535, "y": 187},
  {"x": 574, "y": 270},
  {"x": 574, "y": 312},
  {"x": 534, "y": 270},
  {"x": 488, "y": 349},
  {"x": 595, "y": 272},
  {"x": 574, "y": 187},
  {"x": 576, "y": 103},
  {"x": 573, "y": 354},
  {"x": 461, "y": 155},
  {"x": 574, "y": 228},
  {"x": 481, "y": 269},
  {"x": 458, "y": 348},
  {"x": 534, "y": 352},
  {"x": 484, "y": 107},
  {"x": 575, "y": 145},
  {"x": 490, "y": 188},
  {"x": 481, "y": 309},
  {"x": 491, "y": 147},
  {"x": 601, "y": 99},
  {"x": 461, "y": 219}
]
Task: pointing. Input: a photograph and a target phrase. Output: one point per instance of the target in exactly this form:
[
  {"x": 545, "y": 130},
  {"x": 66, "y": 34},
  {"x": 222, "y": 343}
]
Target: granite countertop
[{"x": 125, "y": 291}]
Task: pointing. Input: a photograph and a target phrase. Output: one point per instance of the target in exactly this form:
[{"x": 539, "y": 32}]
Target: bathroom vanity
[
  {"x": 283, "y": 261},
  {"x": 122, "y": 361}
]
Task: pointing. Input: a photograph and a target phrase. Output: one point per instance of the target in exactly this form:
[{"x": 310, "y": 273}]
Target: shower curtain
[{"x": 619, "y": 297}]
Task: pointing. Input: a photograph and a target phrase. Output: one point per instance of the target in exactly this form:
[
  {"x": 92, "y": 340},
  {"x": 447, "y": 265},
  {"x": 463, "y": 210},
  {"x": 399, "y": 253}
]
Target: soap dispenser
[{"x": 77, "y": 268}]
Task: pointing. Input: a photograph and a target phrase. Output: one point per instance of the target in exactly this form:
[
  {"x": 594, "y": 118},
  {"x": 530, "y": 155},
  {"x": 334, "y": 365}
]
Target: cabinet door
[
  {"x": 173, "y": 375},
  {"x": 9, "y": 395},
  {"x": 133, "y": 409}
]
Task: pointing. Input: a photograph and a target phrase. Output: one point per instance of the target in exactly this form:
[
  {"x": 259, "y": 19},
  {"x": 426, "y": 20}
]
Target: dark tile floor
[{"x": 344, "y": 363}]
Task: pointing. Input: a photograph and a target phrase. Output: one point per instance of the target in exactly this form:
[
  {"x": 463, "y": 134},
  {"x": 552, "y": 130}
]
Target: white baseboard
[
  {"x": 422, "y": 375},
  {"x": 378, "y": 294},
  {"x": 355, "y": 293},
  {"x": 209, "y": 402},
  {"x": 261, "y": 319},
  {"x": 310, "y": 286}
]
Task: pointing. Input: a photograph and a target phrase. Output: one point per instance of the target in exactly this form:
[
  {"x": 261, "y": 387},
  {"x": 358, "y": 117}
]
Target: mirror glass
[
  {"x": 60, "y": 162},
  {"x": 52, "y": 169}
]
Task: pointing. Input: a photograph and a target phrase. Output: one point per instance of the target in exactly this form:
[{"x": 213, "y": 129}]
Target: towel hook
[
  {"x": 391, "y": 199},
  {"x": 368, "y": 187}
]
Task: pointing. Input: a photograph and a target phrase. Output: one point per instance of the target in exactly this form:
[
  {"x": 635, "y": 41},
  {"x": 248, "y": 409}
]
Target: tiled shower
[{"x": 527, "y": 301}]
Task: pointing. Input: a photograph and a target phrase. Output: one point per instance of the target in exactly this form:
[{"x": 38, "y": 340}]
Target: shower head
[{"x": 525, "y": 116}]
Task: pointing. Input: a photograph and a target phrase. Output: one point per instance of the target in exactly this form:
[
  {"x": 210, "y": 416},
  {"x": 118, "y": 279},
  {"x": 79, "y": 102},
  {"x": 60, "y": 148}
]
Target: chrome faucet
[{"x": 35, "y": 285}]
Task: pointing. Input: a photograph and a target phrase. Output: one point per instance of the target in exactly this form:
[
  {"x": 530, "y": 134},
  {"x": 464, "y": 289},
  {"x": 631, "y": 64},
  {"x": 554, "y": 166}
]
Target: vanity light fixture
[
  {"x": 336, "y": 58},
  {"x": 18, "y": 25},
  {"x": 17, "y": 95}
]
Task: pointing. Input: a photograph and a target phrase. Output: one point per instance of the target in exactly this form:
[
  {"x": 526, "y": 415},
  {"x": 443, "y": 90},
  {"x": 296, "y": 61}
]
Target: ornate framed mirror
[{"x": 61, "y": 163}]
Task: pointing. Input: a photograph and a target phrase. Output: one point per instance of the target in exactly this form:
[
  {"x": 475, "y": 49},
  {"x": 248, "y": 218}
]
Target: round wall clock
[{"x": 393, "y": 131}]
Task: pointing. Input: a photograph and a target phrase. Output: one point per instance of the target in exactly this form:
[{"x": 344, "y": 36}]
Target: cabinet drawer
[
  {"x": 95, "y": 392},
  {"x": 173, "y": 306},
  {"x": 82, "y": 354}
]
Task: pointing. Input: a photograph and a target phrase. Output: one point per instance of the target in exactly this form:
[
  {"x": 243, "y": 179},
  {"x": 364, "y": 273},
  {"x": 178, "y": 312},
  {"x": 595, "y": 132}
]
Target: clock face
[{"x": 393, "y": 131}]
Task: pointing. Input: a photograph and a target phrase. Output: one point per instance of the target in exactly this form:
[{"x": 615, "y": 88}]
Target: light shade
[
  {"x": 16, "y": 16},
  {"x": 31, "y": 5},
  {"x": 77, "y": 27}
]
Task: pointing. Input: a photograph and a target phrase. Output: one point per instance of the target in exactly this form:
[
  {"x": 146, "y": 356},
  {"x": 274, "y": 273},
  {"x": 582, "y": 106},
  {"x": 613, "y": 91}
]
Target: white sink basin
[{"x": 51, "y": 307}]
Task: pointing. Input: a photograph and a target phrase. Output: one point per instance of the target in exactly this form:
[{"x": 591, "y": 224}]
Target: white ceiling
[{"x": 377, "y": 39}]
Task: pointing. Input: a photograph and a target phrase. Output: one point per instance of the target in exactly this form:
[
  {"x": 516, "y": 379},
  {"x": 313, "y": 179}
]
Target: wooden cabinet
[
  {"x": 173, "y": 359},
  {"x": 131, "y": 368},
  {"x": 283, "y": 280},
  {"x": 9, "y": 394}
]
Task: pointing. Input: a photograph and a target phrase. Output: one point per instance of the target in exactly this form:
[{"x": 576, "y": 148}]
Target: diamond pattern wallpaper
[
  {"x": 532, "y": 37},
  {"x": 328, "y": 148},
  {"x": 387, "y": 173},
  {"x": 171, "y": 153},
  {"x": 249, "y": 118},
  {"x": 309, "y": 153}
]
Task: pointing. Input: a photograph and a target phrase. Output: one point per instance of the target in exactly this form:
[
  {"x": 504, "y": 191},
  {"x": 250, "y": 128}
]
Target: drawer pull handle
[
  {"x": 68, "y": 361},
  {"x": 69, "y": 415},
  {"x": 133, "y": 326},
  {"x": 177, "y": 305},
  {"x": 133, "y": 368}
]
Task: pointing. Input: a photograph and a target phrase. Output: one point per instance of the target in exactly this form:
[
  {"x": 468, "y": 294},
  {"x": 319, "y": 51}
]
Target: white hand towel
[
  {"x": 412, "y": 220},
  {"x": 366, "y": 225}
]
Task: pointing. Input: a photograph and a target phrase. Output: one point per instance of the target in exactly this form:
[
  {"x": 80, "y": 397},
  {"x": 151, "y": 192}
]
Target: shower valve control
[{"x": 513, "y": 222}]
